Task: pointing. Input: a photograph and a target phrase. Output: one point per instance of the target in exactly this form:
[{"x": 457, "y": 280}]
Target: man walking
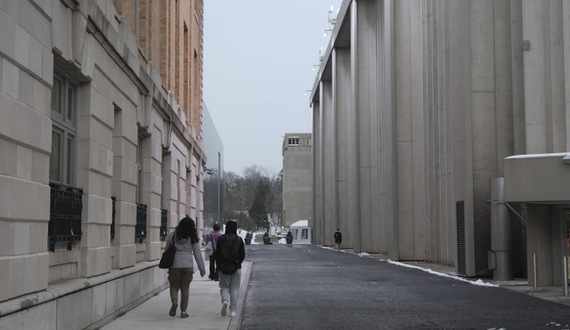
[
  {"x": 337, "y": 239},
  {"x": 230, "y": 253}
]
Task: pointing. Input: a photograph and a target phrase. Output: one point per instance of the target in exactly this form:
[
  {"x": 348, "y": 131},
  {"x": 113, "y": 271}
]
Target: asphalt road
[{"x": 309, "y": 287}]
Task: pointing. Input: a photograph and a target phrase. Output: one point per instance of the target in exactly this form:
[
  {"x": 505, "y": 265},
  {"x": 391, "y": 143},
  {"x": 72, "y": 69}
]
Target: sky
[{"x": 259, "y": 62}]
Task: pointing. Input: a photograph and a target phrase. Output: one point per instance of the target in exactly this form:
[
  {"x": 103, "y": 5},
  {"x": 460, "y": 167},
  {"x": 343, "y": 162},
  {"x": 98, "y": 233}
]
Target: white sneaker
[
  {"x": 232, "y": 313},
  {"x": 224, "y": 308}
]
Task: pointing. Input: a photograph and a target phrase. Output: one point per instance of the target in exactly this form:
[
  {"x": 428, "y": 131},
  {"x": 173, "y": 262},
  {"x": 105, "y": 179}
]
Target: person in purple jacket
[{"x": 213, "y": 237}]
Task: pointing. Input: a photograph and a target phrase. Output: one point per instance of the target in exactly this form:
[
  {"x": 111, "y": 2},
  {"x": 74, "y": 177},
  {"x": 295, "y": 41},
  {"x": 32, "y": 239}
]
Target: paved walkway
[
  {"x": 204, "y": 305},
  {"x": 204, "y": 308}
]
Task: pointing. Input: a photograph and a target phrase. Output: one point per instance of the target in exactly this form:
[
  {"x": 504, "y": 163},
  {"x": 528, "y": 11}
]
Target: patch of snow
[
  {"x": 300, "y": 223},
  {"x": 479, "y": 282},
  {"x": 562, "y": 154}
]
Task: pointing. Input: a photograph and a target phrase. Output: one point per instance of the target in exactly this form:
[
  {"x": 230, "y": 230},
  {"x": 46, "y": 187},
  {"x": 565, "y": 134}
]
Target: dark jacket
[
  {"x": 337, "y": 237},
  {"x": 230, "y": 237}
]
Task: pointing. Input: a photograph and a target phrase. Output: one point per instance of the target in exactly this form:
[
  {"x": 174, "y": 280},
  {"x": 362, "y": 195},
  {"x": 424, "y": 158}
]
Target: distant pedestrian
[
  {"x": 337, "y": 239},
  {"x": 181, "y": 272},
  {"x": 229, "y": 256},
  {"x": 213, "y": 237},
  {"x": 289, "y": 238},
  {"x": 266, "y": 238}
]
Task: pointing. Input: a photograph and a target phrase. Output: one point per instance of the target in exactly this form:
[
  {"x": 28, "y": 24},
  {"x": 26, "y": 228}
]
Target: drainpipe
[{"x": 500, "y": 232}]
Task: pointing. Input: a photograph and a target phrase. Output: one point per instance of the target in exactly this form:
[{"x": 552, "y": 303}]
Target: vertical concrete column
[
  {"x": 328, "y": 157},
  {"x": 317, "y": 210},
  {"x": 566, "y": 41},
  {"x": 555, "y": 84},
  {"x": 387, "y": 124},
  {"x": 409, "y": 129},
  {"x": 483, "y": 122},
  {"x": 333, "y": 113},
  {"x": 534, "y": 14},
  {"x": 517, "y": 78},
  {"x": 372, "y": 192},
  {"x": 353, "y": 164},
  {"x": 320, "y": 168},
  {"x": 343, "y": 105},
  {"x": 503, "y": 83}
]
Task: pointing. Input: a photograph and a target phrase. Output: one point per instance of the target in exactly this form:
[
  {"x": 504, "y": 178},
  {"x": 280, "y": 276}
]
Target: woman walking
[{"x": 180, "y": 273}]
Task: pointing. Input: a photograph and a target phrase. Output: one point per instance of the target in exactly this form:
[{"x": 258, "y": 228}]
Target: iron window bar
[
  {"x": 140, "y": 227},
  {"x": 113, "y": 216},
  {"x": 163, "y": 223},
  {"x": 66, "y": 204}
]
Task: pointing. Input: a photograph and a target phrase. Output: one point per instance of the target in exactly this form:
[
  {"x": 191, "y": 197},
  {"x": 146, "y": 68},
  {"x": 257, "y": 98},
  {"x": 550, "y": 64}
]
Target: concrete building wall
[
  {"x": 437, "y": 95},
  {"x": 128, "y": 139}
]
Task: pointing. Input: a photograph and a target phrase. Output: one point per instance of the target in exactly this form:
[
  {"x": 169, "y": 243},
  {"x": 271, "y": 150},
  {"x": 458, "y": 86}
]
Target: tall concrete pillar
[
  {"x": 333, "y": 125},
  {"x": 534, "y": 14},
  {"x": 566, "y": 42},
  {"x": 328, "y": 161},
  {"x": 343, "y": 102},
  {"x": 317, "y": 173},
  {"x": 353, "y": 164}
]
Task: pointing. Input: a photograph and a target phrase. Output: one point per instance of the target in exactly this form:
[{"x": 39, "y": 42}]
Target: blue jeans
[{"x": 229, "y": 288}]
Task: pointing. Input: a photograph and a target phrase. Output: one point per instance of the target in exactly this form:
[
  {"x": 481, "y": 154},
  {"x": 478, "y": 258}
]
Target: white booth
[{"x": 301, "y": 232}]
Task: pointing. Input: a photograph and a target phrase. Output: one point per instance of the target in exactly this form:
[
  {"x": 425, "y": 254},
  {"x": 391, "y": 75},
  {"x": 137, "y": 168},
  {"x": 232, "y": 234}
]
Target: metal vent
[{"x": 460, "y": 212}]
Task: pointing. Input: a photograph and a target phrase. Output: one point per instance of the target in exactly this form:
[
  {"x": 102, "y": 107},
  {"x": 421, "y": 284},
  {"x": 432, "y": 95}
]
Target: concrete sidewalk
[{"x": 204, "y": 308}]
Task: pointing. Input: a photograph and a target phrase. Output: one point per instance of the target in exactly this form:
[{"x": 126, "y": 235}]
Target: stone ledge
[{"x": 56, "y": 291}]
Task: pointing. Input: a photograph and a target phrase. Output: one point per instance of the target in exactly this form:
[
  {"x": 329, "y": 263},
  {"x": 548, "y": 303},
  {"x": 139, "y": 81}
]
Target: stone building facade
[
  {"x": 441, "y": 130},
  {"x": 297, "y": 153},
  {"x": 100, "y": 157}
]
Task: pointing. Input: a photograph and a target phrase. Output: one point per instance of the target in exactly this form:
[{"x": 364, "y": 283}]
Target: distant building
[
  {"x": 214, "y": 172},
  {"x": 297, "y": 178}
]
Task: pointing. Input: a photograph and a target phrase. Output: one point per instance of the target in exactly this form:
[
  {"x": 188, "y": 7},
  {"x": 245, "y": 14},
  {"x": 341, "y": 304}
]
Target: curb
[{"x": 236, "y": 321}]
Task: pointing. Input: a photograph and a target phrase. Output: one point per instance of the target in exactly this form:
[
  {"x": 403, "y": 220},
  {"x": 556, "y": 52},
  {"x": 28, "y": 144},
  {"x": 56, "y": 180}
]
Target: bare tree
[{"x": 240, "y": 196}]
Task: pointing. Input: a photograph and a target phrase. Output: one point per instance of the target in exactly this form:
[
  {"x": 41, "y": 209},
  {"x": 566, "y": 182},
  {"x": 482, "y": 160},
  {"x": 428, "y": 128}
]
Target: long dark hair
[{"x": 187, "y": 228}]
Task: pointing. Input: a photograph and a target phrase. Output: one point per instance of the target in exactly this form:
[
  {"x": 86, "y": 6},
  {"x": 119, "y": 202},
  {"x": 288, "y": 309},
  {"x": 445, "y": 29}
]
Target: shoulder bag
[
  {"x": 209, "y": 249},
  {"x": 167, "y": 258}
]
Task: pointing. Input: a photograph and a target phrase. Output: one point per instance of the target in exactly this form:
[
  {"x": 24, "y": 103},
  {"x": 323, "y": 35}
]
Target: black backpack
[{"x": 229, "y": 254}]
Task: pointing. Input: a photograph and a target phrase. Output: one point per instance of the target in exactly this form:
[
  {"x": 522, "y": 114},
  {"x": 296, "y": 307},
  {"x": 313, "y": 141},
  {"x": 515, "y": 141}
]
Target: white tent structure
[{"x": 301, "y": 231}]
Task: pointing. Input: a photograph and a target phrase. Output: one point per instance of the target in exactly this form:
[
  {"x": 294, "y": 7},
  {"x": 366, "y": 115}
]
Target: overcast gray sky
[{"x": 259, "y": 57}]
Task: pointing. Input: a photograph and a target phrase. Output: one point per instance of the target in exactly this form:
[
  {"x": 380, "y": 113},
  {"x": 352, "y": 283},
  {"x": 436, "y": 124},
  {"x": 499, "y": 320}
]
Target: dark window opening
[
  {"x": 66, "y": 205},
  {"x": 140, "y": 227},
  {"x": 163, "y": 223},
  {"x": 113, "y": 217}
]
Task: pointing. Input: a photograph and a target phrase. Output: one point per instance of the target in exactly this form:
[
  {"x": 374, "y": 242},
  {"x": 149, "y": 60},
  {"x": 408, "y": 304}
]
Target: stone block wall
[{"x": 130, "y": 143}]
